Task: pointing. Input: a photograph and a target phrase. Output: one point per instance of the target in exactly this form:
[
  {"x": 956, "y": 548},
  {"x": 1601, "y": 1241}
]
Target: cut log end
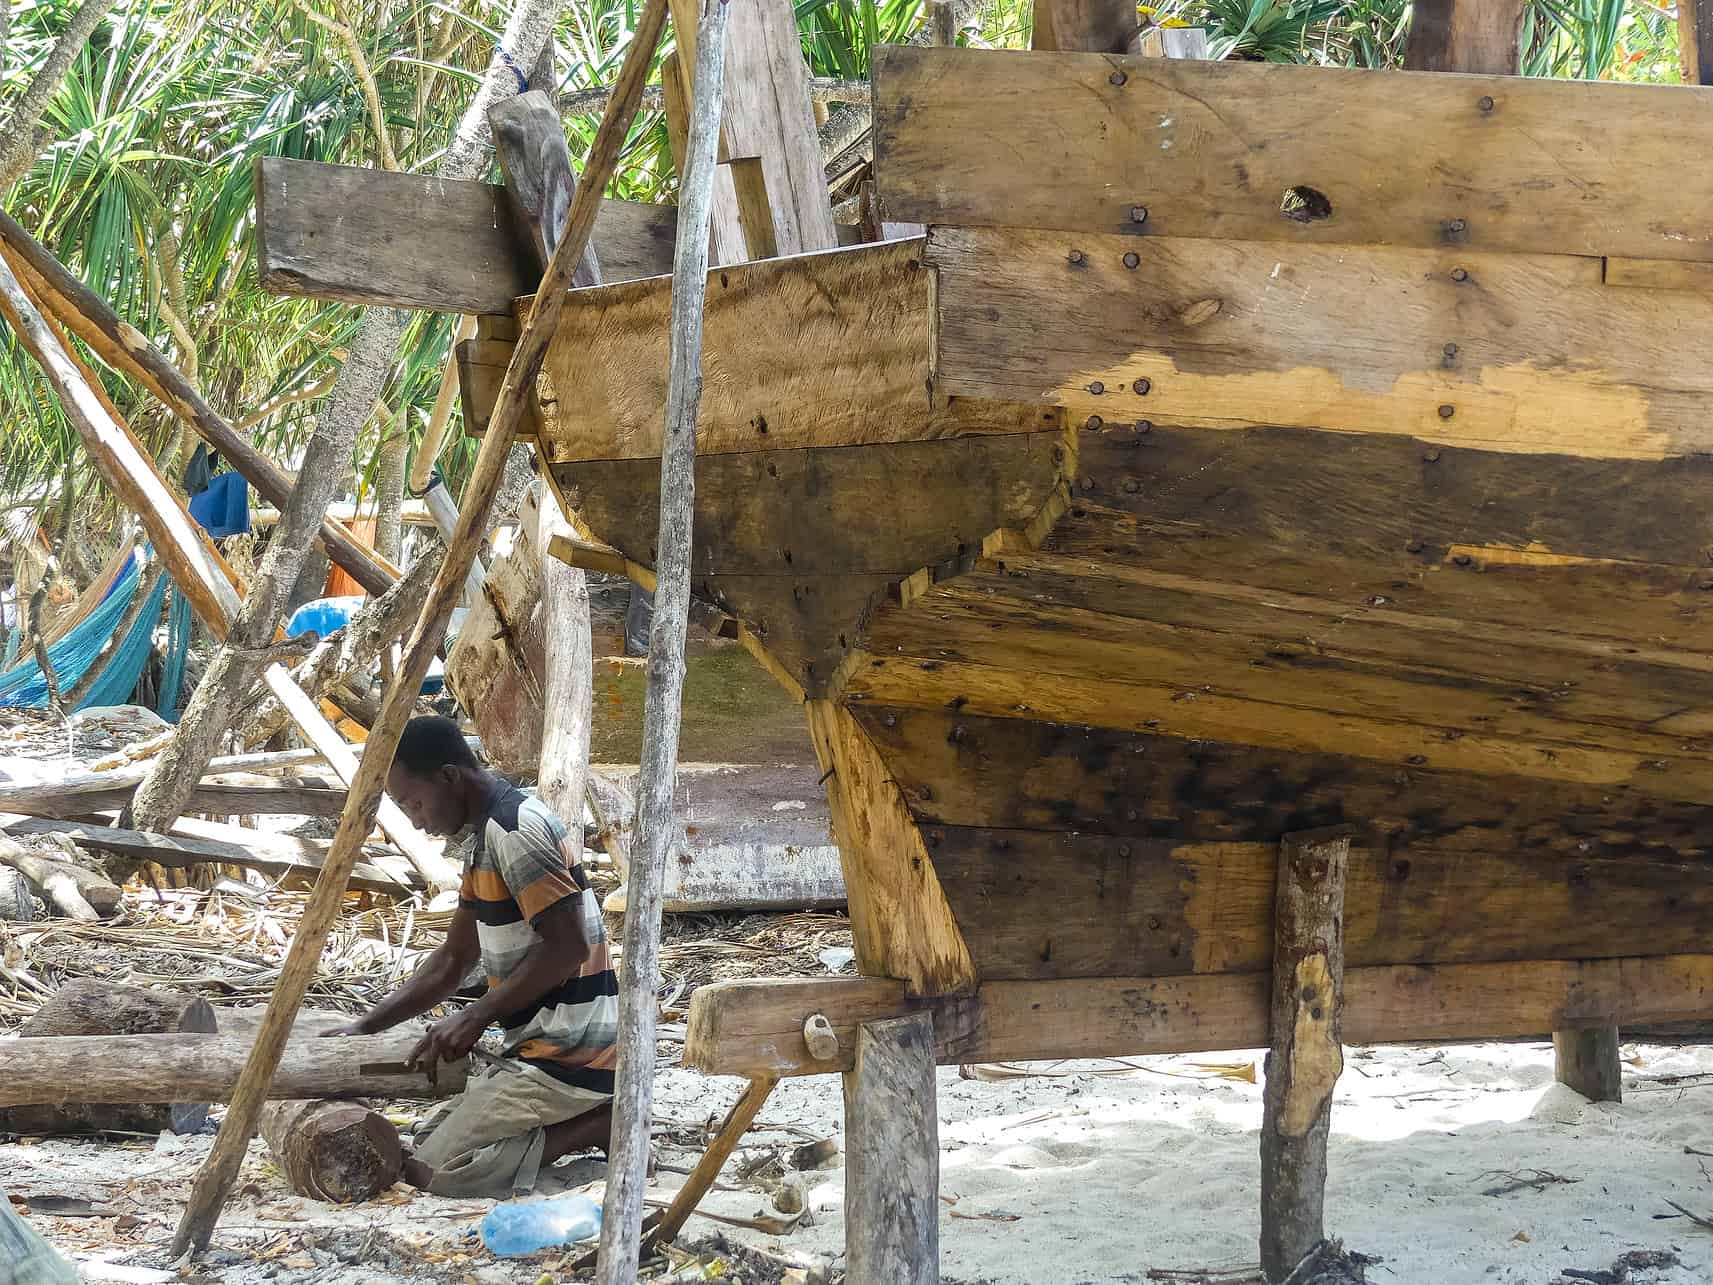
[{"x": 340, "y": 1152}]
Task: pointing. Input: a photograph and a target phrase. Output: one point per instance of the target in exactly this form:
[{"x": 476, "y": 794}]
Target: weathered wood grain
[
  {"x": 901, "y": 925},
  {"x": 1505, "y": 352},
  {"x": 820, "y": 350},
  {"x": 755, "y": 1027},
  {"x": 333, "y": 232},
  {"x": 1019, "y": 774},
  {"x": 340, "y": 1152},
  {"x": 1304, "y": 1055},
  {"x": 1088, "y": 26},
  {"x": 892, "y": 1156},
  {"x": 1587, "y": 1059},
  {"x": 1184, "y": 148},
  {"x": 1123, "y": 905},
  {"x": 1477, "y": 36}
]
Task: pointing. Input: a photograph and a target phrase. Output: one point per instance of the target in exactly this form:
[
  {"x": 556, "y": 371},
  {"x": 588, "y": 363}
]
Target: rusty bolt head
[
  {"x": 1087, "y": 484},
  {"x": 1460, "y": 274},
  {"x": 1432, "y": 457},
  {"x": 1451, "y": 350},
  {"x": 958, "y": 733},
  {"x": 1131, "y": 486},
  {"x": 1485, "y": 102},
  {"x": 1117, "y": 78},
  {"x": 1447, "y": 410},
  {"x": 1093, "y": 422},
  {"x": 1124, "y": 849},
  {"x": 1144, "y": 426},
  {"x": 1132, "y": 260},
  {"x": 1076, "y": 256},
  {"x": 1138, "y": 213},
  {"x": 1096, "y": 387},
  {"x": 1456, "y": 225},
  {"x": 1142, "y": 386},
  {"x": 1154, "y": 922},
  {"x": 1130, "y": 814},
  {"x": 892, "y": 720},
  {"x": 1462, "y": 559}
]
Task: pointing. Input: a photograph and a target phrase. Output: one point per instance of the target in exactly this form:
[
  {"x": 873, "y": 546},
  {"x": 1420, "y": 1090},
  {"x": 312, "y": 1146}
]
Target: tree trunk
[
  {"x": 340, "y": 1152},
  {"x": 148, "y": 1068},
  {"x": 389, "y": 490},
  {"x": 20, "y": 130},
  {"x": 85, "y": 1006}
]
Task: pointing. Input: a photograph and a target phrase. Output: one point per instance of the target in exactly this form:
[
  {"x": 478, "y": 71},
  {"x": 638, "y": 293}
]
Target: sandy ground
[{"x": 1456, "y": 1166}]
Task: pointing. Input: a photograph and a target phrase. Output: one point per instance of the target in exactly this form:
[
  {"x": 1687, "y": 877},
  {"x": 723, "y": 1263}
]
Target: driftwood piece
[
  {"x": 892, "y": 1156},
  {"x": 149, "y": 1068},
  {"x": 261, "y": 1073},
  {"x": 340, "y": 1152},
  {"x": 1306, "y": 1056},
  {"x": 78, "y": 893},
  {"x": 86, "y": 1006},
  {"x": 621, "y": 1227}
]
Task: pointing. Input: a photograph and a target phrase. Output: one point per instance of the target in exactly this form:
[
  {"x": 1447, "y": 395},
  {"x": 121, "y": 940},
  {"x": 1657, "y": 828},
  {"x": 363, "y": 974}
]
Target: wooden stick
[
  {"x": 434, "y": 436},
  {"x": 124, "y": 348},
  {"x": 125, "y": 466},
  {"x": 627, "y": 1181},
  {"x": 220, "y": 1170},
  {"x": 737, "y": 1123},
  {"x": 1306, "y": 1056}
]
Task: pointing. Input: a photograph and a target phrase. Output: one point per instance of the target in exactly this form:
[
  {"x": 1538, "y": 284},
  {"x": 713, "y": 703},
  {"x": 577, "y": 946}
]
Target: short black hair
[{"x": 429, "y": 743}]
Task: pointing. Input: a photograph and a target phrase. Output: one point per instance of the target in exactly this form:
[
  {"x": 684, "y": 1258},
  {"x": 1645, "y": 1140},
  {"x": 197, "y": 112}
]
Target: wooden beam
[
  {"x": 119, "y": 458},
  {"x": 205, "y": 1068},
  {"x": 824, "y": 350},
  {"x": 1305, "y": 1053},
  {"x": 1480, "y": 37},
  {"x": 755, "y": 1027},
  {"x": 122, "y": 347},
  {"x": 901, "y": 924},
  {"x": 1303, "y": 155},
  {"x": 1086, "y": 26},
  {"x": 276, "y": 798},
  {"x": 892, "y": 1156},
  {"x": 1695, "y": 41},
  {"x": 1420, "y": 343},
  {"x": 194, "y": 842},
  {"x": 463, "y": 254}
]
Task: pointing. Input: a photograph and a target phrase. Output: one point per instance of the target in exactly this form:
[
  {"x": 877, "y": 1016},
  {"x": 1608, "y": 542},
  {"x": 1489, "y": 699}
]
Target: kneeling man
[{"x": 526, "y": 912}]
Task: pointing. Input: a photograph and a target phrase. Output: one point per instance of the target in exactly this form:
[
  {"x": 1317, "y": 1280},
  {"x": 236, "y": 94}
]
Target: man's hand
[
  {"x": 447, "y": 1040},
  {"x": 359, "y": 1027}
]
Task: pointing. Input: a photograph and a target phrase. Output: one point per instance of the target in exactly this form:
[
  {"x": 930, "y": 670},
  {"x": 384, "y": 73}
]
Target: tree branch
[
  {"x": 365, "y": 79},
  {"x": 24, "y": 138}
]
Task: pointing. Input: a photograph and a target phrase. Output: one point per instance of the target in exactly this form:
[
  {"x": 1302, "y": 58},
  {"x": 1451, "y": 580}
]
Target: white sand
[{"x": 1085, "y": 1178}]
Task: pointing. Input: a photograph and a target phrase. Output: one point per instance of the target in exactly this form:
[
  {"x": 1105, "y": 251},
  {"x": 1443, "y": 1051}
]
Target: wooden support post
[
  {"x": 737, "y": 1123},
  {"x": 220, "y": 1170},
  {"x": 1088, "y": 26},
  {"x": 892, "y": 1156},
  {"x": 83, "y": 312},
  {"x": 621, "y": 1226},
  {"x": 1305, "y": 1054},
  {"x": 1695, "y": 41},
  {"x": 1477, "y": 36},
  {"x": 1587, "y": 1060}
]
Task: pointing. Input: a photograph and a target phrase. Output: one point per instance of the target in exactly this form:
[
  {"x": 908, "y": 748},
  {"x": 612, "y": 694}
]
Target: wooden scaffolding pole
[
  {"x": 621, "y": 1224},
  {"x": 1306, "y": 1054},
  {"x": 214, "y": 1182}
]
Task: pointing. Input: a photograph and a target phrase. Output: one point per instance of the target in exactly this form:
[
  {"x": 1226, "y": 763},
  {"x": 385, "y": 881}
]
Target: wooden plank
[
  {"x": 892, "y": 1156},
  {"x": 1036, "y": 633},
  {"x": 1500, "y": 352},
  {"x": 1147, "y": 706},
  {"x": 901, "y": 925},
  {"x": 1478, "y": 36},
  {"x": 821, "y": 350},
  {"x": 995, "y": 137},
  {"x": 481, "y": 370},
  {"x": 1588, "y": 1061},
  {"x": 194, "y": 842},
  {"x": 755, "y": 1027},
  {"x": 1659, "y": 274},
  {"x": 1103, "y": 782},
  {"x": 1695, "y": 41},
  {"x": 214, "y": 799},
  {"x": 726, "y": 235},
  {"x": 1304, "y": 1055},
  {"x": 1163, "y": 907},
  {"x": 462, "y": 254}
]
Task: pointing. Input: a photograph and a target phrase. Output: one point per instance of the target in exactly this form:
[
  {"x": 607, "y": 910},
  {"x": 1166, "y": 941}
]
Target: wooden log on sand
[
  {"x": 151, "y": 1068},
  {"x": 340, "y": 1152},
  {"x": 87, "y": 1007},
  {"x": 74, "y": 891}
]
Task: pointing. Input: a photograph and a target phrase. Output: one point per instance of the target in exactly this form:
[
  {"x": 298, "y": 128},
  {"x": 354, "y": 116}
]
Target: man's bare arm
[{"x": 432, "y": 983}]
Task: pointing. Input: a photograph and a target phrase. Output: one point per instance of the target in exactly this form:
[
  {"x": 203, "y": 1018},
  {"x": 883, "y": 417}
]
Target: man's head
[{"x": 435, "y": 778}]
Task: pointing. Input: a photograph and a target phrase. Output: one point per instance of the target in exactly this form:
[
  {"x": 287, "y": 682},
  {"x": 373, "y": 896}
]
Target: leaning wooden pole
[
  {"x": 1306, "y": 1052},
  {"x": 627, "y": 1180},
  {"x": 214, "y": 1182}
]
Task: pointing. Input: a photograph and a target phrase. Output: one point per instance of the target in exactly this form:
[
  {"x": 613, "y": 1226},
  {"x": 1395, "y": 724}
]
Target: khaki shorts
[{"x": 488, "y": 1140}]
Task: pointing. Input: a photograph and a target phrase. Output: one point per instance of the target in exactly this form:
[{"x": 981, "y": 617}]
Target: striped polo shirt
[{"x": 521, "y": 863}]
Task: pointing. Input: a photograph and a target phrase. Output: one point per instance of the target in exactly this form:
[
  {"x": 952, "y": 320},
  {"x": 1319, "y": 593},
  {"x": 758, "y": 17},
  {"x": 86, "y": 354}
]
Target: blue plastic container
[{"x": 520, "y": 1227}]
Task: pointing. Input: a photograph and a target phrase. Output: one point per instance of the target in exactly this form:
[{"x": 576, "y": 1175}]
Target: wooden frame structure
[{"x": 1242, "y": 451}]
